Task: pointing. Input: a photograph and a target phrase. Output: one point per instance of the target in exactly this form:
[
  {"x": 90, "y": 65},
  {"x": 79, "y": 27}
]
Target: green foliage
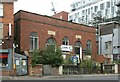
[
  {"x": 86, "y": 63},
  {"x": 37, "y": 57},
  {"x": 50, "y": 55},
  {"x": 68, "y": 61}
]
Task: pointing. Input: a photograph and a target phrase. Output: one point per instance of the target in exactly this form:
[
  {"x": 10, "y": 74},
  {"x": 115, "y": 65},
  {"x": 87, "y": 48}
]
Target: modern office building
[{"x": 85, "y": 11}]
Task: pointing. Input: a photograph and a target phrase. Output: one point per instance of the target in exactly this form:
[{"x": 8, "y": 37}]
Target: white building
[{"x": 84, "y": 11}]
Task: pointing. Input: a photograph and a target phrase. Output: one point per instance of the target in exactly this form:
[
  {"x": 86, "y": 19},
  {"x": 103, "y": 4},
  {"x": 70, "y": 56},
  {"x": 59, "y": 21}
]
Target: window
[
  {"x": 86, "y": 18},
  {"x": 102, "y": 6},
  {"x": 106, "y": 12},
  {"x": 71, "y": 17},
  {"x": 96, "y": 9},
  {"x": 33, "y": 41},
  {"x": 83, "y": 12},
  {"x": 51, "y": 41},
  {"x": 106, "y": 45},
  {"x": 1, "y": 30},
  {"x": 65, "y": 41},
  {"x": 3, "y": 60},
  {"x": 99, "y": 13},
  {"x": 76, "y": 15},
  {"x": 111, "y": 3},
  {"x": 86, "y": 12},
  {"x": 108, "y": 4},
  {"x": 88, "y": 45},
  {"x": 112, "y": 11},
  {"x": 77, "y": 47},
  {"x": 89, "y": 11},
  {"x": 79, "y": 20},
  {"x": 1, "y": 10}
]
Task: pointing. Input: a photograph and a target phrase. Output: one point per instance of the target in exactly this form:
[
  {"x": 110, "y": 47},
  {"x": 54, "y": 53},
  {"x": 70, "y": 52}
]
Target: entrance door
[{"x": 78, "y": 50}]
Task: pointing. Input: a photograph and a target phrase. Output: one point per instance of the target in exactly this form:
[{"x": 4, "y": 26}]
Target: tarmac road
[{"x": 67, "y": 77}]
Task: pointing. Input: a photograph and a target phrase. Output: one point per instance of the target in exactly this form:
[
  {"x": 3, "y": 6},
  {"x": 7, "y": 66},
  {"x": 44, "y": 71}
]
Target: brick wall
[
  {"x": 37, "y": 70},
  {"x": 55, "y": 71},
  {"x": 61, "y": 15},
  {"x": 6, "y": 19}
]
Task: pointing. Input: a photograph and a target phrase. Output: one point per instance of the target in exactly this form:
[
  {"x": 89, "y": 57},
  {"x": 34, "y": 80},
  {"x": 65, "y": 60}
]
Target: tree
[
  {"x": 50, "y": 55},
  {"x": 37, "y": 57}
]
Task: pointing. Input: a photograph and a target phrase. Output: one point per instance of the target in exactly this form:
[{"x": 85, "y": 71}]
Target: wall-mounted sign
[
  {"x": 78, "y": 36},
  {"x": 51, "y": 32},
  {"x": 67, "y": 48}
]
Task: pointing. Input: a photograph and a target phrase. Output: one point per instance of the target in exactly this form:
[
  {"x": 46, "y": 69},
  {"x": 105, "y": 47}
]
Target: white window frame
[
  {"x": 33, "y": 43},
  {"x": 1, "y": 9},
  {"x": 89, "y": 45}
]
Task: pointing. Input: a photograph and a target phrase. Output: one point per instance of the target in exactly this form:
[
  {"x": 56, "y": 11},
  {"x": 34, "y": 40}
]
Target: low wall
[
  {"x": 7, "y": 73},
  {"x": 55, "y": 71},
  {"x": 37, "y": 70}
]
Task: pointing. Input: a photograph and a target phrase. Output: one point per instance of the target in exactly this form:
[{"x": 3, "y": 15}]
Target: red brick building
[
  {"x": 6, "y": 36},
  {"x": 33, "y": 31}
]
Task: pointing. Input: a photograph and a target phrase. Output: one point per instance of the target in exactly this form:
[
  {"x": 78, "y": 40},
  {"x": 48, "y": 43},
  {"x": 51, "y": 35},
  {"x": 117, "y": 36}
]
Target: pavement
[{"x": 64, "y": 77}]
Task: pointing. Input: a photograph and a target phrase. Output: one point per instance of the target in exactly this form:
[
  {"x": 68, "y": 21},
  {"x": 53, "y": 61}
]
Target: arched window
[
  {"x": 88, "y": 45},
  {"x": 33, "y": 41},
  {"x": 77, "y": 47},
  {"x": 51, "y": 41},
  {"x": 65, "y": 41}
]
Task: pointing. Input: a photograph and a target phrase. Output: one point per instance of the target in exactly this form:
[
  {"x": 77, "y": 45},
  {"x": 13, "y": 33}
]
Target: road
[{"x": 70, "y": 77}]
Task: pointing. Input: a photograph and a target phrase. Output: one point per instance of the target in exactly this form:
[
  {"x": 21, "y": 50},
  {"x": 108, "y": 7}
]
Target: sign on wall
[
  {"x": 78, "y": 36},
  {"x": 51, "y": 32},
  {"x": 67, "y": 48}
]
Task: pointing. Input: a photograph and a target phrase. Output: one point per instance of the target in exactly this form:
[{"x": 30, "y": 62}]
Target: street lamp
[{"x": 14, "y": 66}]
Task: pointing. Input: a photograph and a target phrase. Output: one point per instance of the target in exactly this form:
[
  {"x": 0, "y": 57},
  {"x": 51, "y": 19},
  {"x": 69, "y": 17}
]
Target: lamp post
[{"x": 14, "y": 66}]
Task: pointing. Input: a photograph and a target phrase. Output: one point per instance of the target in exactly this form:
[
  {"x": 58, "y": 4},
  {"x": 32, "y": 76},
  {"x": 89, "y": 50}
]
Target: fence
[{"x": 76, "y": 70}]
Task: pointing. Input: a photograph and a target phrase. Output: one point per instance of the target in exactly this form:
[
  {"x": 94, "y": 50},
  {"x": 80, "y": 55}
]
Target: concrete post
[
  {"x": 60, "y": 70},
  {"x": 116, "y": 68}
]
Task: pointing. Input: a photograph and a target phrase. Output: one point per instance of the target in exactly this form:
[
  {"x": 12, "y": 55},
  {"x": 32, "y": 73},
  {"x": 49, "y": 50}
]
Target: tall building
[{"x": 85, "y": 11}]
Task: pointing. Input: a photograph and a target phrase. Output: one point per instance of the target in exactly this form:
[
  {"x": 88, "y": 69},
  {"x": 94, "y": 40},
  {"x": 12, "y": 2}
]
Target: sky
[{"x": 43, "y": 7}]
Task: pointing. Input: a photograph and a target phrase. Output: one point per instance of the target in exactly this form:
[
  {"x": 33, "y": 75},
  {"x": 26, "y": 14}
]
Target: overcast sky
[{"x": 42, "y": 6}]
